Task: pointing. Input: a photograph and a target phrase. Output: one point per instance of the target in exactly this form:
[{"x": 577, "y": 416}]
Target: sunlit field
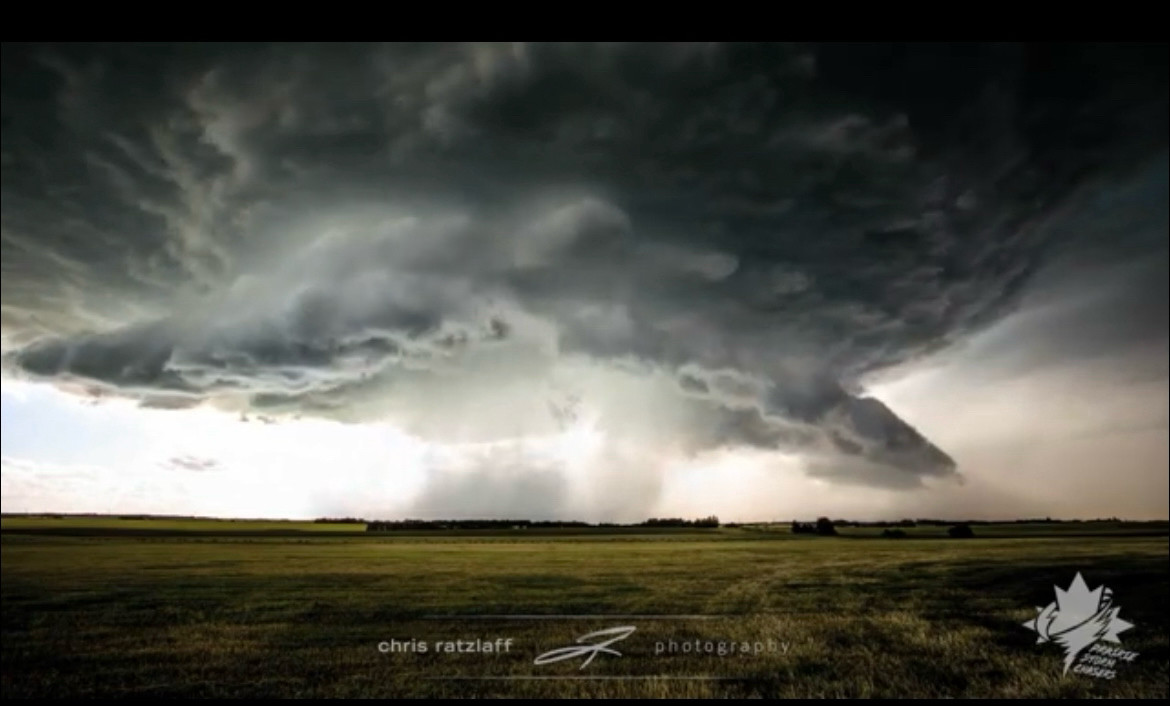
[{"x": 201, "y": 608}]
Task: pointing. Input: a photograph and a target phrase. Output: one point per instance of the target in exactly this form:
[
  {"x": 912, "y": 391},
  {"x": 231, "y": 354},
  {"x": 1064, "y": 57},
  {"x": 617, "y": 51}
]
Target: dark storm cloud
[{"x": 304, "y": 228}]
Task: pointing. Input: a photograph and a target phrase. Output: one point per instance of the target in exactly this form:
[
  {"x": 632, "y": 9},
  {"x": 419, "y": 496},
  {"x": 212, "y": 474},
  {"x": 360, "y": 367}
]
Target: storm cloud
[{"x": 446, "y": 236}]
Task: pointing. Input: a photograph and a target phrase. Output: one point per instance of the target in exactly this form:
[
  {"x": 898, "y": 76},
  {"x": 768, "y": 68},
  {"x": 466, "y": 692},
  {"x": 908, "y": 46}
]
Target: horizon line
[{"x": 360, "y": 520}]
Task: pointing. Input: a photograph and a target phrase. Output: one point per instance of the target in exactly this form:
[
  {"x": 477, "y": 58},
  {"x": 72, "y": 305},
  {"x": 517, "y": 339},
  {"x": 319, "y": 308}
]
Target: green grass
[
  {"x": 1019, "y": 529},
  {"x": 205, "y": 614}
]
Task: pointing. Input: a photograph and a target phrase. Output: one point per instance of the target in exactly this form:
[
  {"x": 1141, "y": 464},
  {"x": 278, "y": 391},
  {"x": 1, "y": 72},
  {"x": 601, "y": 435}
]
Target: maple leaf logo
[{"x": 1078, "y": 618}]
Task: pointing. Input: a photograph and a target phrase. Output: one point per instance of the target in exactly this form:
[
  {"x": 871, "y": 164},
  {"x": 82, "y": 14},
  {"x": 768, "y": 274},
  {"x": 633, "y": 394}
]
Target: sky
[{"x": 599, "y": 282}]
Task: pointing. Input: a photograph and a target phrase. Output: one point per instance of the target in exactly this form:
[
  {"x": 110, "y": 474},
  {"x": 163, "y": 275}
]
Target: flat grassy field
[{"x": 178, "y": 608}]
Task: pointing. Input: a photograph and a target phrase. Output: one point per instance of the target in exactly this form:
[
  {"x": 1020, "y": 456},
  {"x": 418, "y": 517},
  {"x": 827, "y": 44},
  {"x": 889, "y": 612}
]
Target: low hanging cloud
[
  {"x": 189, "y": 462},
  {"x": 475, "y": 241}
]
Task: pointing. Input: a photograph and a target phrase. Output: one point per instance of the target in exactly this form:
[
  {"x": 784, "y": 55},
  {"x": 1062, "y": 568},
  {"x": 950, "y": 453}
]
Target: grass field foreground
[{"x": 110, "y": 611}]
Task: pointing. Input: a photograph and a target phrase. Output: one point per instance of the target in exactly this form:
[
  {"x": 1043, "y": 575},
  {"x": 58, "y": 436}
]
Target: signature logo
[
  {"x": 602, "y": 639},
  {"x": 1080, "y": 619}
]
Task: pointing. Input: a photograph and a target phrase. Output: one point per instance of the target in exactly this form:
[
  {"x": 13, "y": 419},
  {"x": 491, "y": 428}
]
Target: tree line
[{"x": 483, "y": 524}]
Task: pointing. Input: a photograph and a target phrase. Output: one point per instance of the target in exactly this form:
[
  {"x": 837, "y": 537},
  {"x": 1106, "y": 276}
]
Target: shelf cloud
[{"x": 472, "y": 241}]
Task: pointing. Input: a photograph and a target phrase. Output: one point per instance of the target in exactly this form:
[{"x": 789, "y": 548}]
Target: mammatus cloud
[{"x": 441, "y": 235}]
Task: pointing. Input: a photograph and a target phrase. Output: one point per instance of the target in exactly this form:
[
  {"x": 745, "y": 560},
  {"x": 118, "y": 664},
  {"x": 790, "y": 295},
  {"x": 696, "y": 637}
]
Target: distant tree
[
  {"x": 709, "y": 521},
  {"x": 825, "y": 527},
  {"x": 894, "y": 534},
  {"x": 961, "y": 531}
]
